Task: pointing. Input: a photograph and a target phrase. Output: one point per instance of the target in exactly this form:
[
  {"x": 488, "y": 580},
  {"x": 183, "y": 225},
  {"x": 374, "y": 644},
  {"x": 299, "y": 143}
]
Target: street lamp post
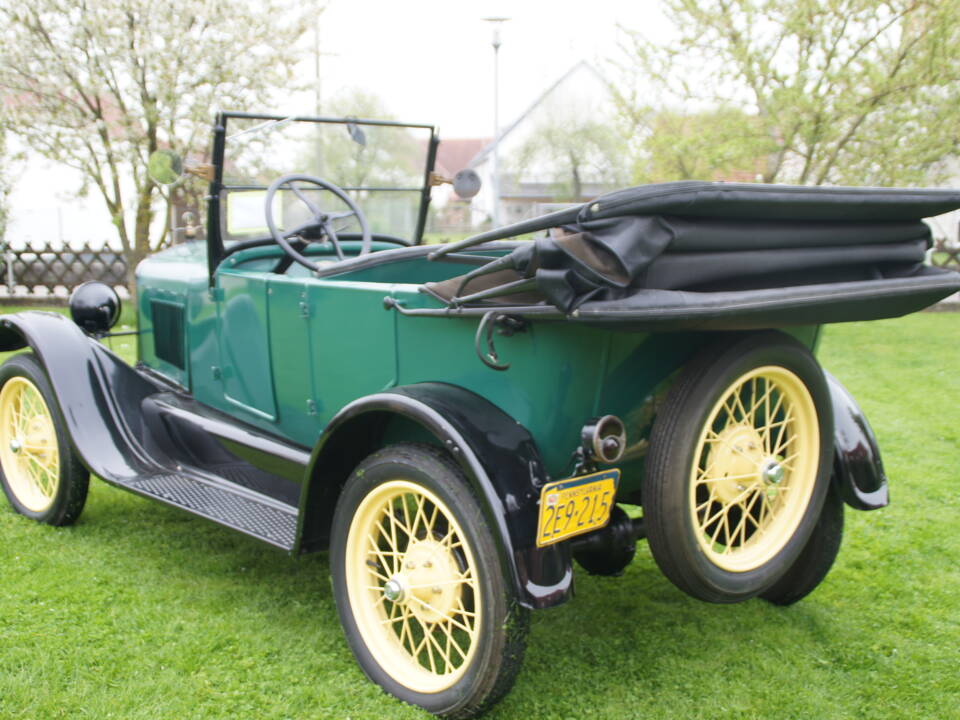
[{"x": 496, "y": 22}]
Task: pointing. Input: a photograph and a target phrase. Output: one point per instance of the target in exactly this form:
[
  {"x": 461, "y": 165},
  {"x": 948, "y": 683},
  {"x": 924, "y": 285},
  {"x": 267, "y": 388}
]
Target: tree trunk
[
  {"x": 141, "y": 235},
  {"x": 133, "y": 258}
]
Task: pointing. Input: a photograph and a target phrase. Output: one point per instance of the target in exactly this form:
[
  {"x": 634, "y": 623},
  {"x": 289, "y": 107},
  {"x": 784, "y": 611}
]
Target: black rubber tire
[
  {"x": 71, "y": 493},
  {"x": 502, "y": 635},
  {"x": 816, "y": 559},
  {"x": 673, "y": 443}
]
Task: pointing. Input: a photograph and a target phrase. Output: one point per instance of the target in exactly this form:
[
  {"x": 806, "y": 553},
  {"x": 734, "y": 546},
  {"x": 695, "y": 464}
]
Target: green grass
[{"x": 142, "y": 611}]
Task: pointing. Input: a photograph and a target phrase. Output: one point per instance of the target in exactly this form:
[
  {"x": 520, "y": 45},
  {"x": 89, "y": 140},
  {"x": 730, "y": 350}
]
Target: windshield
[{"x": 381, "y": 166}]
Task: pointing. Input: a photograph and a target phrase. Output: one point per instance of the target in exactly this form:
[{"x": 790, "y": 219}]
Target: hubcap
[
  {"x": 393, "y": 590},
  {"x": 772, "y": 472},
  {"x": 755, "y": 468},
  {"x": 15, "y": 445}
]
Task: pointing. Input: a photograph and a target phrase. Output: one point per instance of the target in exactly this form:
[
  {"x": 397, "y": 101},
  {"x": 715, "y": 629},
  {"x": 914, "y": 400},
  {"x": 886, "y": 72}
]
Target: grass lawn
[{"x": 143, "y": 611}]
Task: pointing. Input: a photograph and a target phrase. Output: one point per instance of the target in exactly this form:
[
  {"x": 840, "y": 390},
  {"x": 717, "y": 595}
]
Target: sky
[{"x": 430, "y": 61}]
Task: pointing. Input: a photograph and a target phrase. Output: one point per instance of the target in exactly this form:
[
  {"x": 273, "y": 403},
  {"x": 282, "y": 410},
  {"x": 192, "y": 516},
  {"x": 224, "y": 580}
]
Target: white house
[{"x": 581, "y": 92}]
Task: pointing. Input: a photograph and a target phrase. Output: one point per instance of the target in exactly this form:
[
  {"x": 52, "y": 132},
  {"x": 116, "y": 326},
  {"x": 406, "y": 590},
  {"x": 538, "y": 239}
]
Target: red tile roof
[{"x": 455, "y": 154}]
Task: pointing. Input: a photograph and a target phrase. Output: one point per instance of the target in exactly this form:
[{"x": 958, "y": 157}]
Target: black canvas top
[
  {"x": 716, "y": 237},
  {"x": 782, "y": 202},
  {"x": 711, "y": 210}
]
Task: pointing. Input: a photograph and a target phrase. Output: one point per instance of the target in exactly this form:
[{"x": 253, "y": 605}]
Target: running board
[{"x": 243, "y": 510}]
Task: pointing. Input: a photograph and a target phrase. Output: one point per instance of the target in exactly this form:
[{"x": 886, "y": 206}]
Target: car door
[{"x": 243, "y": 329}]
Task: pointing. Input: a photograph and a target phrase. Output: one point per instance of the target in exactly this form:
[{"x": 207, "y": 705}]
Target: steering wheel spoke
[
  {"x": 325, "y": 220},
  {"x": 313, "y": 208}
]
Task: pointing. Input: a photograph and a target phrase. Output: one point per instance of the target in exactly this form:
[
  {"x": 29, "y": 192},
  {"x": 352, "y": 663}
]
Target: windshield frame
[{"x": 215, "y": 242}]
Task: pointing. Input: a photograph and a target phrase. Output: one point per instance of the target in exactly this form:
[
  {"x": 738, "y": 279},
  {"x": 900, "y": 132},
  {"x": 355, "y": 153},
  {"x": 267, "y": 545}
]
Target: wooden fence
[
  {"x": 47, "y": 270},
  {"x": 945, "y": 255}
]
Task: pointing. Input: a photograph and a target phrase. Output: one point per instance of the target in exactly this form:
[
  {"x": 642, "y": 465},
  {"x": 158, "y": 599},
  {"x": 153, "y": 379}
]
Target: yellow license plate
[{"x": 575, "y": 506}]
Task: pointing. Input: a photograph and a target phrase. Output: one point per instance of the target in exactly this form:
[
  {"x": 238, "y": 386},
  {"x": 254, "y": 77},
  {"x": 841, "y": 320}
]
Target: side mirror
[
  {"x": 165, "y": 167},
  {"x": 466, "y": 183},
  {"x": 356, "y": 134},
  {"x": 95, "y": 307}
]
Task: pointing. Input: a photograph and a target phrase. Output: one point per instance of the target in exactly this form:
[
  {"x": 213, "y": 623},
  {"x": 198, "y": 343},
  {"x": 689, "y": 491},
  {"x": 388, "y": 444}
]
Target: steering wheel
[{"x": 322, "y": 220}]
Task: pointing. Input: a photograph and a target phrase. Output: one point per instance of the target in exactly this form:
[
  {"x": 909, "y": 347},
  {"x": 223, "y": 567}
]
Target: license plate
[{"x": 576, "y": 505}]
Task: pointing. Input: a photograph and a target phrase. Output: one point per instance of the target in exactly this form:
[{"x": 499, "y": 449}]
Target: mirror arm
[
  {"x": 202, "y": 171},
  {"x": 436, "y": 179}
]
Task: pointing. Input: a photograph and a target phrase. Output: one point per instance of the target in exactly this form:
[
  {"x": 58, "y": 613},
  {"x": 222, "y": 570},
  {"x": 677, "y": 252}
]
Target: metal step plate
[{"x": 262, "y": 519}]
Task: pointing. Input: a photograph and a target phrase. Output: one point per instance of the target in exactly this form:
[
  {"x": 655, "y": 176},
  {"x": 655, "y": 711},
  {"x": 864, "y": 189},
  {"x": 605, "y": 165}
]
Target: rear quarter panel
[{"x": 561, "y": 374}]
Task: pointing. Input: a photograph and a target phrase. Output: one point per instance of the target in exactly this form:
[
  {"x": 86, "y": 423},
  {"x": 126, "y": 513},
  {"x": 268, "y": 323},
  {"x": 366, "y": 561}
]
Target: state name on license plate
[{"x": 576, "y": 505}]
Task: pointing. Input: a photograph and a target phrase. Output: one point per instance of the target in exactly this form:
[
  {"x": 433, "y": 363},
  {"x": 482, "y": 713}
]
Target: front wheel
[
  {"x": 421, "y": 592},
  {"x": 42, "y": 476}
]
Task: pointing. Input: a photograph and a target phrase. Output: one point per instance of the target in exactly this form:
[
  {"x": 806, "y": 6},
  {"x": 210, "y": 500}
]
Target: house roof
[
  {"x": 481, "y": 156},
  {"x": 455, "y": 154}
]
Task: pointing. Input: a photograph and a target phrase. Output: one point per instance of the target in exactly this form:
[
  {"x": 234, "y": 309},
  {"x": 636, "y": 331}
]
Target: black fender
[
  {"x": 98, "y": 393},
  {"x": 858, "y": 469},
  {"x": 497, "y": 454}
]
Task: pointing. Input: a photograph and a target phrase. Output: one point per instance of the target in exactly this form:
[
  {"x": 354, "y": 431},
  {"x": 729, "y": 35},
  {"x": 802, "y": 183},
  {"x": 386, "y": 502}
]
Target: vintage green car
[{"x": 456, "y": 424}]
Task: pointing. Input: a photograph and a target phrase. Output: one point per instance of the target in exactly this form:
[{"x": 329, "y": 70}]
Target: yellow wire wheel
[
  {"x": 28, "y": 445},
  {"x": 421, "y": 594},
  {"x": 754, "y": 468},
  {"x": 738, "y": 467},
  {"x": 412, "y": 582},
  {"x": 42, "y": 477}
]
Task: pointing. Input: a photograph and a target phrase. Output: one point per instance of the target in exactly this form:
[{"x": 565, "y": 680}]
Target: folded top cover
[{"x": 615, "y": 245}]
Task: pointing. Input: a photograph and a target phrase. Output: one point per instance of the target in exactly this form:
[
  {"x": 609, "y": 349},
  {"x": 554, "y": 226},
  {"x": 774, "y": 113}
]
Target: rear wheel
[
  {"x": 42, "y": 476},
  {"x": 422, "y": 594},
  {"x": 817, "y": 557},
  {"x": 738, "y": 467}
]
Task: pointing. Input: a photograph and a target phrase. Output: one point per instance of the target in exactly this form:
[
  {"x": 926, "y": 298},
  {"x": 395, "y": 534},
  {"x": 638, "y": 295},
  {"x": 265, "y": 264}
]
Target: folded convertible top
[
  {"x": 741, "y": 201},
  {"x": 711, "y": 241},
  {"x": 781, "y": 202}
]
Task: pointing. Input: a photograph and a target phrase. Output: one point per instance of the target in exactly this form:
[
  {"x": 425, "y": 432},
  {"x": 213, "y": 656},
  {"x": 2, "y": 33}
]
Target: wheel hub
[
  {"x": 38, "y": 438},
  {"x": 736, "y": 461},
  {"x": 740, "y": 464},
  {"x": 428, "y": 583},
  {"x": 393, "y": 590},
  {"x": 772, "y": 472},
  {"x": 15, "y": 445}
]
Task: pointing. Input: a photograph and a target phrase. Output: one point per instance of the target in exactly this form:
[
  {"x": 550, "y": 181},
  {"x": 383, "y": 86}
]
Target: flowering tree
[
  {"x": 100, "y": 84},
  {"x": 825, "y": 91}
]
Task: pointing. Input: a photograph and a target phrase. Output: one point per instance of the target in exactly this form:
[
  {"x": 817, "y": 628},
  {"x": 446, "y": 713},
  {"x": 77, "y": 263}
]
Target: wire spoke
[
  {"x": 762, "y": 399},
  {"x": 781, "y": 446},
  {"x": 375, "y": 550},
  {"x": 739, "y": 403},
  {"x": 749, "y": 476},
  {"x": 463, "y": 611},
  {"x": 393, "y": 538},
  {"x": 439, "y": 583},
  {"x": 39, "y": 477},
  {"x": 447, "y": 617},
  {"x": 417, "y": 515},
  {"x": 444, "y": 657}
]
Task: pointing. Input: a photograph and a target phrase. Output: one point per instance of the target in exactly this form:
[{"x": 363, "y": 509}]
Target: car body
[{"x": 323, "y": 387}]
